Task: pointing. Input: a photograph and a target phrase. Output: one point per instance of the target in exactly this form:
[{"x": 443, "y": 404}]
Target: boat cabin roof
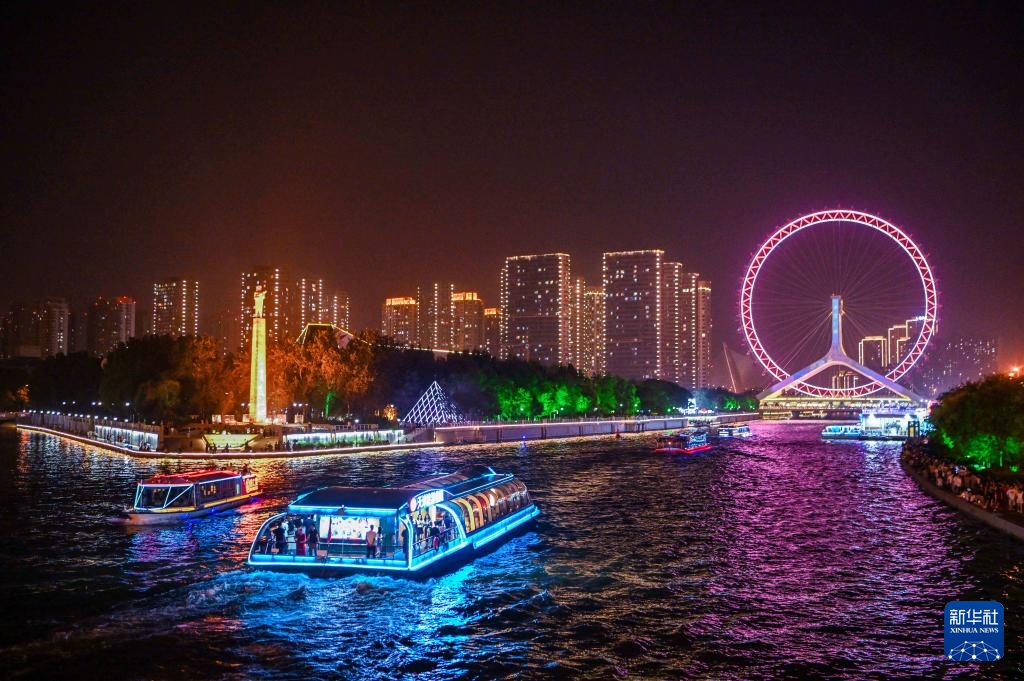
[
  {"x": 194, "y": 478},
  {"x": 394, "y": 498}
]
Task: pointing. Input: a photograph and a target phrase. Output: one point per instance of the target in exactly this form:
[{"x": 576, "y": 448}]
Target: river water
[{"x": 779, "y": 556}]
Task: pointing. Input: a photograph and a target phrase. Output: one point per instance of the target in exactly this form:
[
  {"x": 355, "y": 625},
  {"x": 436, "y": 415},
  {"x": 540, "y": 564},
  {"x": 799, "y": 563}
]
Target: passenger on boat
[
  {"x": 379, "y": 548},
  {"x": 405, "y": 540},
  {"x": 371, "y": 542},
  {"x": 435, "y": 537},
  {"x": 300, "y": 541},
  {"x": 279, "y": 538}
]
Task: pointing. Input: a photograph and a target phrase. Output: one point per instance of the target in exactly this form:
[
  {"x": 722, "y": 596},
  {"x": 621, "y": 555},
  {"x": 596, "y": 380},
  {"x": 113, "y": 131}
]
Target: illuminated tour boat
[
  {"x": 683, "y": 442},
  {"x": 172, "y": 498},
  {"x": 735, "y": 431},
  {"x": 420, "y": 527}
]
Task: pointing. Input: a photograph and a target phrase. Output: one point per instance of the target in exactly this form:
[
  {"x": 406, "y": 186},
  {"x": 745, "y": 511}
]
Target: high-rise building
[
  {"x": 952, "y": 362},
  {"x": 632, "y": 313},
  {"x": 589, "y": 328},
  {"x": 845, "y": 380},
  {"x": 310, "y": 305},
  {"x": 340, "y": 310},
  {"x": 100, "y": 327},
  {"x": 124, "y": 319},
  {"x": 535, "y": 308},
  {"x": 79, "y": 326},
  {"x": 468, "y": 331},
  {"x": 398, "y": 320},
  {"x": 896, "y": 341},
  {"x": 696, "y": 306},
  {"x": 275, "y": 306},
  {"x": 176, "y": 307},
  {"x": 873, "y": 352},
  {"x": 54, "y": 327},
  {"x": 436, "y": 323},
  {"x": 674, "y": 323},
  {"x": 492, "y": 331}
]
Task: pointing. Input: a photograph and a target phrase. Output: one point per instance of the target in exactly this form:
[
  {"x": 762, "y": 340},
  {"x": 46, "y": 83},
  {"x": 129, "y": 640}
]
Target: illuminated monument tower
[{"x": 258, "y": 372}]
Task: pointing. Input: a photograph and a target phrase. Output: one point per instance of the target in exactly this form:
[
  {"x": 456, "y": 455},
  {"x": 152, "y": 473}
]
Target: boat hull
[
  {"x": 447, "y": 563},
  {"x": 682, "y": 450},
  {"x": 171, "y": 517}
]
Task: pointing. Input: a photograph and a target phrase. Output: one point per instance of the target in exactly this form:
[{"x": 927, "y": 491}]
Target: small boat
[
  {"x": 742, "y": 430},
  {"x": 421, "y": 527},
  {"x": 683, "y": 443},
  {"x": 173, "y": 498},
  {"x": 842, "y": 431}
]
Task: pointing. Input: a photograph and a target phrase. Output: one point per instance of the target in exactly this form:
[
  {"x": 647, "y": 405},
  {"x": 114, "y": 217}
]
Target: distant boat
[
  {"x": 173, "y": 498},
  {"x": 735, "y": 431},
  {"x": 683, "y": 443},
  {"x": 425, "y": 526}
]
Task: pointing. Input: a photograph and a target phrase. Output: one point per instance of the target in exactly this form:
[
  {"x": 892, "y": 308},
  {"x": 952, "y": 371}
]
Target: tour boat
[
  {"x": 420, "y": 527},
  {"x": 735, "y": 431},
  {"x": 172, "y": 498},
  {"x": 683, "y": 443},
  {"x": 842, "y": 431}
]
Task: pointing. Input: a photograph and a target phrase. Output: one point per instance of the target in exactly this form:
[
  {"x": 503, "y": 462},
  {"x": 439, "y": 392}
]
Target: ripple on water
[{"x": 778, "y": 556}]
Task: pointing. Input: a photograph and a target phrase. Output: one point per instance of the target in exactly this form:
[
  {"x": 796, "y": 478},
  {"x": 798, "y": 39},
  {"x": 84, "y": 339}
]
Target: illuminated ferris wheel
[{"x": 843, "y": 280}]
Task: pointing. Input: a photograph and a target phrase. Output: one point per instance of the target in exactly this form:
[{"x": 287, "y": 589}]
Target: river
[{"x": 778, "y": 556}]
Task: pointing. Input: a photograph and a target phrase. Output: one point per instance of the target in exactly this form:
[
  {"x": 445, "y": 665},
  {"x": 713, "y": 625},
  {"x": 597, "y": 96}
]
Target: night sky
[{"x": 379, "y": 147}]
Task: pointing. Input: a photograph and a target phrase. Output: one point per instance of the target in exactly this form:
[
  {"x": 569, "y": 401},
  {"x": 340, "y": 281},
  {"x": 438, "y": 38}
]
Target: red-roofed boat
[{"x": 180, "y": 496}]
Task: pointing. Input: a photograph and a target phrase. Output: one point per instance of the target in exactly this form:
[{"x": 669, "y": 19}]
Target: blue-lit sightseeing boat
[
  {"x": 173, "y": 498},
  {"x": 735, "y": 431},
  {"x": 683, "y": 443},
  {"x": 424, "y": 526}
]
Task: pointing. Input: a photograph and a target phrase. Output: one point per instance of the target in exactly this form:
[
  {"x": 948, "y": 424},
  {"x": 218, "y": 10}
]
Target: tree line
[
  {"x": 981, "y": 423},
  {"x": 178, "y": 380}
]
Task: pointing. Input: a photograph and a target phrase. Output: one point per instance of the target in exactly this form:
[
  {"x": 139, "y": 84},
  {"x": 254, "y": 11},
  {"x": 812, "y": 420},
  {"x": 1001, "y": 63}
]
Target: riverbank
[
  {"x": 100, "y": 444},
  {"x": 1010, "y": 522},
  {"x": 443, "y": 437}
]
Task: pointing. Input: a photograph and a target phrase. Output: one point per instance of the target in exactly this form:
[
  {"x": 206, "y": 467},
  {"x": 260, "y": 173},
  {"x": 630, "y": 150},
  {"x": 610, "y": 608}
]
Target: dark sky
[{"x": 378, "y": 147}]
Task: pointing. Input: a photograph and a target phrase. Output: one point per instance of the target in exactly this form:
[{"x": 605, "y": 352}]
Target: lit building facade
[
  {"x": 176, "y": 307},
  {"x": 674, "y": 320},
  {"x": 632, "y": 313},
  {"x": 696, "y": 305},
  {"x": 398, "y": 320},
  {"x": 492, "y": 331},
  {"x": 340, "y": 310},
  {"x": 952, "y": 362},
  {"x": 589, "y": 327},
  {"x": 275, "y": 306},
  {"x": 124, "y": 318},
  {"x": 54, "y": 327},
  {"x": 309, "y": 305},
  {"x": 101, "y": 327},
  {"x": 535, "y": 308},
  {"x": 436, "y": 322},
  {"x": 468, "y": 310},
  {"x": 873, "y": 352}
]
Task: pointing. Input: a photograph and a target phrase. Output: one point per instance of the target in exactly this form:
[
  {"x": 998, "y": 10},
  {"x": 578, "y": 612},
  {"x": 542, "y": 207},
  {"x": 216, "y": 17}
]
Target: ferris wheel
[{"x": 869, "y": 271}]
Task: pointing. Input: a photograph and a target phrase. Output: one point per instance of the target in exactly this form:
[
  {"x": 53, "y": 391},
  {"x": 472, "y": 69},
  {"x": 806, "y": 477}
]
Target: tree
[{"x": 982, "y": 423}]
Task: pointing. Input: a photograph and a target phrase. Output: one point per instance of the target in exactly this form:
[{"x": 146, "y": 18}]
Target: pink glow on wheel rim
[{"x": 899, "y": 237}]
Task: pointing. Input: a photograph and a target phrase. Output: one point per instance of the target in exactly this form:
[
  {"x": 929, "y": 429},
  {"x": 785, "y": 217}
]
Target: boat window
[{"x": 176, "y": 496}]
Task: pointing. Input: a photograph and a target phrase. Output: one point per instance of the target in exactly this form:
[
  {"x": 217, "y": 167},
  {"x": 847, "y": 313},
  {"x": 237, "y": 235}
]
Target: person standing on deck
[{"x": 371, "y": 542}]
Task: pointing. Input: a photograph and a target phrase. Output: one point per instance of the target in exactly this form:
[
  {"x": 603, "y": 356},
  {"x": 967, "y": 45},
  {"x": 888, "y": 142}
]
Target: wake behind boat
[
  {"x": 424, "y": 525},
  {"x": 683, "y": 442},
  {"x": 173, "y": 498}
]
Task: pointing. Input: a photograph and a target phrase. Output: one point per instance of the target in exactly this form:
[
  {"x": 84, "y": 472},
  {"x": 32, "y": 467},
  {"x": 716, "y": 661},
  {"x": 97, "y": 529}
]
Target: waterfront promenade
[
  {"x": 996, "y": 504},
  {"x": 483, "y": 433}
]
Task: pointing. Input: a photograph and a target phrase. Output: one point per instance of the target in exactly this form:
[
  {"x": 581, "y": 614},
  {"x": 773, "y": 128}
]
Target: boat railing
[{"x": 427, "y": 545}]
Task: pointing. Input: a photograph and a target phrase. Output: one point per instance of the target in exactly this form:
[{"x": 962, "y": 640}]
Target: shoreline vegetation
[
  {"x": 972, "y": 459},
  {"x": 181, "y": 381}
]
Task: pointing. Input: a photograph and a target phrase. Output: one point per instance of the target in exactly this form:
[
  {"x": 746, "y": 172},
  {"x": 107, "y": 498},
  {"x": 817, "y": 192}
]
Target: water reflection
[{"x": 775, "y": 555}]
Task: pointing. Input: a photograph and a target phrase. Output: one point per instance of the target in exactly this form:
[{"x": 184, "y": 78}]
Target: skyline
[{"x": 395, "y": 147}]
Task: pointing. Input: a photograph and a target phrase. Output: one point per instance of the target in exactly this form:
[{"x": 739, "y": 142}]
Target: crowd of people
[
  {"x": 294, "y": 535},
  {"x": 973, "y": 486}
]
